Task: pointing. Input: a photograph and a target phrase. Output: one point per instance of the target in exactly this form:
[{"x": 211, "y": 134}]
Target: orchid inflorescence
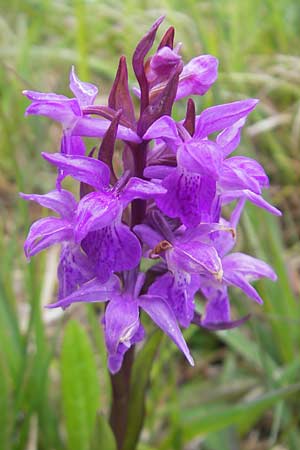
[{"x": 166, "y": 205}]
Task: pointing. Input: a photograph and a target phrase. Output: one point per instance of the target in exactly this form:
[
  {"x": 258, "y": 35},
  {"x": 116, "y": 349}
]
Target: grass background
[{"x": 244, "y": 392}]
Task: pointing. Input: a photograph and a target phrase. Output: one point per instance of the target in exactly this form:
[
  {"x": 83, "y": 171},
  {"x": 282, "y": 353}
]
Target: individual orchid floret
[
  {"x": 195, "y": 78},
  {"x": 186, "y": 255},
  {"x": 122, "y": 315},
  {"x": 51, "y": 230},
  {"x": 239, "y": 270},
  {"x": 74, "y": 268},
  {"x": 202, "y": 176},
  {"x": 70, "y": 112},
  {"x": 109, "y": 243}
]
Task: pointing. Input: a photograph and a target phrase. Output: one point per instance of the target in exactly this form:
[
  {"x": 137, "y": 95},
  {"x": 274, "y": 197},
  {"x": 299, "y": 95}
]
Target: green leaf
[
  {"x": 246, "y": 347},
  {"x": 197, "y": 421},
  {"x": 5, "y": 408},
  {"x": 103, "y": 436},
  {"x": 139, "y": 382},
  {"x": 80, "y": 386}
]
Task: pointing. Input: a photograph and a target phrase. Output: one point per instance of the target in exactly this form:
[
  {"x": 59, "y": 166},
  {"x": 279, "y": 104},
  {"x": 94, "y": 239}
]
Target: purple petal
[
  {"x": 161, "y": 313},
  {"x": 239, "y": 280},
  {"x": 181, "y": 199},
  {"x": 45, "y": 96},
  {"x": 89, "y": 127},
  {"x": 90, "y": 292},
  {"x": 65, "y": 112},
  {"x": 229, "y": 139},
  {"x": 203, "y": 157},
  {"x": 74, "y": 269},
  {"x": 84, "y": 92},
  {"x": 162, "y": 64},
  {"x": 138, "y": 188},
  {"x": 217, "y": 309},
  {"x": 62, "y": 202},
  {"x": 45, "y": 232},
  {"x": 240, "y": 269},
  {"x": 219, "y": 117},
  {"x": 148, "y": 235},
  {"x": 115, "y": 360},
  {"x": 187, "y": 197},
  {"x": 236, "y": 213},
  {"x": 220, "y": 325},
  {"x": 197, "y": 76},
  {"x": 250, "y": 267},
  {"x": 82, "y": 168},
  {"x": 164, "y": 127},
  {"x": 95, "y": 210},
  {"x": 112, "y": 249},
  {"x": 258, "y": 200},
  {"x": 178, "y": 292},
  {"x": 158, "y": 172},
  {"x": 72, "y": 145},
  {"x": 121, "y": 324},
  {"x": 217, "y": 312},
  {"x": 195, "y": 257},
  {"x": 240, "y": 172},
  {"x": 233, "y": 177}
]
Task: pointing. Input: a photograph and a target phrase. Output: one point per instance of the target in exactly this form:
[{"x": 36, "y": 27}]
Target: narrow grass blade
[{"x": 80, "y": 386}]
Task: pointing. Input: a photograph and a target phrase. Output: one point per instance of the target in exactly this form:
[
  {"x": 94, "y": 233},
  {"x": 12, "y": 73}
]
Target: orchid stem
[{"x": 120, "y": 398}]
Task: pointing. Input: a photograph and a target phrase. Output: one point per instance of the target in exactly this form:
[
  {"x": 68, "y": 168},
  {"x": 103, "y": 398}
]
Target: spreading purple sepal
[
  {"x": 82, "y": 168},
  {"x": 218, "y": 118},
  {"x": 160, "y": 312},
  {"x": 46, "y": 232},
  {"x": 90, "y": 291},
  {"x": 62, "y": 202},
  {"x": 218, "y": 326}
]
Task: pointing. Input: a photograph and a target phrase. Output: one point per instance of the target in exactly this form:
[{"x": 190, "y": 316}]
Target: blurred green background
[{"x": 244, "y": 392}]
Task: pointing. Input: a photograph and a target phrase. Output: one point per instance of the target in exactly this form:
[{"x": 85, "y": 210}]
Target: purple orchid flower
[
  {"x": 74, "y": 267},
  {"x": 195, "y": 78},
  {"x": 97, "y": 223},
  {"x": 70, "y": 112},
  {"x": 176, "y": 216},
  {"x": 122, "y": 315},
  {"x": 203, "y": 177},
  {"x": 186, "y": 256},
  {"x": 239, "y": 270}
]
